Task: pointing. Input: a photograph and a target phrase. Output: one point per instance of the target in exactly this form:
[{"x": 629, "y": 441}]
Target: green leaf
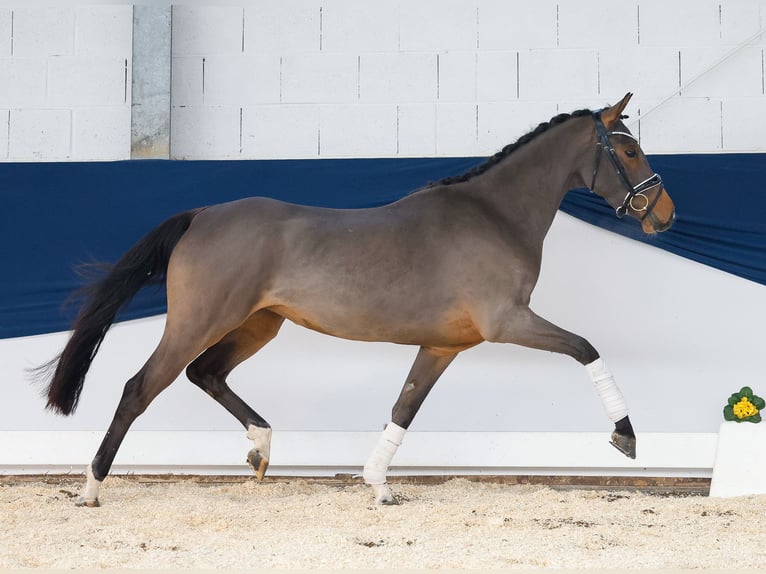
[
  {"x": 758, "y": 402},
  {"x": 734, "y": 399},
  {"x": 746, "y": 392},
  {"x": 756, "y": 418},
  {"x": 728, "y": 413}
]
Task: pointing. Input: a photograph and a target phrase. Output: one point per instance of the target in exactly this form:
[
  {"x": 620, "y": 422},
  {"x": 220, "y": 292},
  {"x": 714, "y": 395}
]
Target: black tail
[{"x": 146, "y": 262}]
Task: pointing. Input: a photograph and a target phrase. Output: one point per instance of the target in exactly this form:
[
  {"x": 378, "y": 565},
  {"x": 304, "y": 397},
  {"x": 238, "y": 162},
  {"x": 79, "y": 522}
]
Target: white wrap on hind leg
[
  {"x": 377, "y": 464},
  {"x": 89, "y": 496}
]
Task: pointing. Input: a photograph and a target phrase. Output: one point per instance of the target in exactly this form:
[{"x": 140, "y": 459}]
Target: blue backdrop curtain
[{"x": 55, "y": 216}]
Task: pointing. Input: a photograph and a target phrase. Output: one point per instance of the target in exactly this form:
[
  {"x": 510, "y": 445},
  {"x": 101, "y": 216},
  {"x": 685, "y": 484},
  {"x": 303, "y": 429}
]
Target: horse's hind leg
[
  {"x": 425, "y": 371},
  {"x": 209, "y": 372},
  {"x": 162, "y": 368}
]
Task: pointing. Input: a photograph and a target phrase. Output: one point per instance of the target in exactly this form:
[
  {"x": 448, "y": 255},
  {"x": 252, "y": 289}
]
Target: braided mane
[{"x": 510, "y": 148}]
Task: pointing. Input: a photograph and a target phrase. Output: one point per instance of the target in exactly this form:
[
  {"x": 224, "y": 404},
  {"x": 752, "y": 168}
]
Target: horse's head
[{"x": 622, "y": 175}]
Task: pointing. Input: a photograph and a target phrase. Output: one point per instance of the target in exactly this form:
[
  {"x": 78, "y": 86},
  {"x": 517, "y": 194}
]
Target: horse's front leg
[
  {"x": 428, "y": 367},
  {"x": 523, "y": 327}
]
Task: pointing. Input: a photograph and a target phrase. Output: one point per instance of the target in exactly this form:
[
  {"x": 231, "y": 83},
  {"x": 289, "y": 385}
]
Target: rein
[{"x": 634, "y": 191}]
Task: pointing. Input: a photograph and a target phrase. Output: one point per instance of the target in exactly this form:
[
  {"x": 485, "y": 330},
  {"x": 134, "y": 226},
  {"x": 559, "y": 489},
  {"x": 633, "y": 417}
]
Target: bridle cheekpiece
[{"x": 634, "y": 191}]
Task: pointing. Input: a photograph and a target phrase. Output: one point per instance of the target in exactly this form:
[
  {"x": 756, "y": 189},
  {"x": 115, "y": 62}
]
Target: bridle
[{"x": 634, "y": 191}]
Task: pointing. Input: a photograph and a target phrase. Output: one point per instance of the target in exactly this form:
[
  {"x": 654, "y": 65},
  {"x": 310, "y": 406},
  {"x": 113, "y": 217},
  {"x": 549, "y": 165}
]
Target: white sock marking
[{"x": 611, "y": 397}]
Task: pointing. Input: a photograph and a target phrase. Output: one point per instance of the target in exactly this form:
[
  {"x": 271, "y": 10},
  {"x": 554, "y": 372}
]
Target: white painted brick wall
[
  {"x": 301, "y": 78},
  {"x": 65, "y": 81}
]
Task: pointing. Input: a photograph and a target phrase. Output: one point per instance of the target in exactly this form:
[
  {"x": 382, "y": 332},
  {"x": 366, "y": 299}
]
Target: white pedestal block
[{"x": 740, "y": 460}]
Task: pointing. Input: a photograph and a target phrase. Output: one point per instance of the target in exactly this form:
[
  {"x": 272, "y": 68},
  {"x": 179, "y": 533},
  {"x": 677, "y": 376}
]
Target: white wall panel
[
  {"x": 98, "y": 133},
  {"x": 23, "y": 82},
  {"x": 39, "y": 134},
  {"x": 41, "y": 31},
  {"x": 397, "y": 78},
  {"x": 744, "y": 122},
  {"x": 103, "y": 31},
  {"x": 205, "y": 132},
  {"x": 282, "y": 27},
  {"x": 438, "y": 25},
  {"x": 357, "y": 131},
  {"x": 740, "y": 19},
  {"x": 4, "y": 122},
  {"x": 650, "y": 72},
  {"x": 681, "y": 125},
  {"x": 687, "y": 23},
  {"x": 597, "y": 24},
  {"x": 456, "y": 129},
  {"x": 558, "y": 74},
  {"x": 286, "y": 131},
  {"x": 517, "y": 25},
  {"x": 739, "y": 76},
  {"x": 457, "y": 77},
  {"x": 241, "y": 79},
  {"x": 6, "y": 34},
  {"x": 497, "y": 76},
  {"x": 207, "y": 29},
  {"x": 320, "y": 78},
  {"x": 501, "y": 123},
  {"x": 416, "y": 130},
  {"x": 87, "y": 81},
  {"x": 186, "y": 81},
  {"x": 360, "y": 26}
]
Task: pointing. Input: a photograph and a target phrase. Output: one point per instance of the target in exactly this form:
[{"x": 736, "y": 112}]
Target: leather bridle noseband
[{"x": 634, "y": 191}]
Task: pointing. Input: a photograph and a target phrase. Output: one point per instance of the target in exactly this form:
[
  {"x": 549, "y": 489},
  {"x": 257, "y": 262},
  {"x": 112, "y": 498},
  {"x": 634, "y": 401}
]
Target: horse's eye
[{"x": 630, "y": 152}]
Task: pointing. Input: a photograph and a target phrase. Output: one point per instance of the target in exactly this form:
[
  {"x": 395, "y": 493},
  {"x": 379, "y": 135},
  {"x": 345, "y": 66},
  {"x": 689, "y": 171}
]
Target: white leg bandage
[
  {"x": 377, "y": 465},
  {"x": 89, "y": 496},
  {"x": 611, "y": 397},
  {"x": 261, "y": 438}
]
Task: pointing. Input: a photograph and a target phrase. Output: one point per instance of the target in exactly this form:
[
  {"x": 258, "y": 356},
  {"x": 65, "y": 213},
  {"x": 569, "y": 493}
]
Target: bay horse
[{"x": 444, "y": 268}]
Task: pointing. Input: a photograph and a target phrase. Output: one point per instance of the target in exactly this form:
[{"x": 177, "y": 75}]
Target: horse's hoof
[
  {"x": 258, "y": 463},
  {"x": 383, "y": 495},
  {"x": 87, "y": 503},
  {"x": 625, "y": 444}
]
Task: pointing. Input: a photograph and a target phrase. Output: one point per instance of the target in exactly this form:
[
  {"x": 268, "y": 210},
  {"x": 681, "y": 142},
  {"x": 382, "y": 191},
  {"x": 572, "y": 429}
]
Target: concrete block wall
[
  {"x": 337, "y": 78},
  {"x": 343, "y": 78},
  {"x": 65, "y": 82}
]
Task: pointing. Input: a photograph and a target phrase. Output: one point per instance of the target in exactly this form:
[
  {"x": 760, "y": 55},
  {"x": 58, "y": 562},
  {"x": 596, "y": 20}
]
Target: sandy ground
[{"x": 297, "y": 523}]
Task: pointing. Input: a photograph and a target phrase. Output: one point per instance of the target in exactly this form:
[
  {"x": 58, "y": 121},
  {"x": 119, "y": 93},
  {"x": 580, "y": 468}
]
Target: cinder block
[
  {"x": 4, "y": 120},
  {"x": 22, "y": 82},
  {"x": 205, "y": 132},
  {"x": 685, "y": 23},
  {"x": 507, "y": 25},
  {"x": 438, "y": 25},
  {"x": 456, "y": 130},
  {"x": 740, "y": 20},
  {"x": 598, "y": 24},
  {"x": 40, "y": 31},
  {"x": 740, "y": 75},
  {"x": 558, "y": 74},
  {"x": 101, "y": 133},
  {"x": 649, "y": 72},
  {"x": 360, "y": 26},
  {"x": 361, "y": 130},
  {"x": 5, "y": 33},
  {"x": 186, "y": 81},
  {"x": 87, "y": 81},
  {"x": 39, "y": 135},
  {"x": 280, "y": 131},
  {"x": 497, "y": 76},
  {"x": 104, "y": 31},
  {"x": 207, "y": 30},
  {"x": 282, "y": 27},
  {"x": 681, "y": 125},
  {"x": 743, "y": 124},
  {"x": 416, "y": 130},
  {"x": 241, "y": 80},
  {"x": 320, "y": 78},
  {"x": 457, "y": 76},
  {"x": 502, "y": 123},
  {"x": 395, "y": 78}
]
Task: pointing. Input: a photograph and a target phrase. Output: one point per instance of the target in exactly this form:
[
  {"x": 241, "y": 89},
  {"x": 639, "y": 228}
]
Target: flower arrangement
[{"x": 744, "y": 406}]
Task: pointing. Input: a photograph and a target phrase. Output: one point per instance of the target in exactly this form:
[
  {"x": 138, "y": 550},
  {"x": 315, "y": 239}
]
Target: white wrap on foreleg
[
  {"x": 611, "y": 397},
  {"x": 377, "y": 465}
]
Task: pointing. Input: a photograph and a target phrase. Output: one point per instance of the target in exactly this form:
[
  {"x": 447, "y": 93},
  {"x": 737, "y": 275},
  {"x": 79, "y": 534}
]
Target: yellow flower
[{"x": 744, "y": 408}]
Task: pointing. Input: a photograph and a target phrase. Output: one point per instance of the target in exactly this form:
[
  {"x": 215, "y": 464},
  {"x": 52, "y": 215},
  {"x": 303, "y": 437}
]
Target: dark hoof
[
  {"x": 87, "y": 503},
  {"x": 257, "y": 463},
  {"x": 625, "y": 444},
  {"x": 393, "y": 501}
]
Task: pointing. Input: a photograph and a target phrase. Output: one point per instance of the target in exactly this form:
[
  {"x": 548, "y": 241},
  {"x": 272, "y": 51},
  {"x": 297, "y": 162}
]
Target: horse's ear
[{"x": 611, "y": 116}]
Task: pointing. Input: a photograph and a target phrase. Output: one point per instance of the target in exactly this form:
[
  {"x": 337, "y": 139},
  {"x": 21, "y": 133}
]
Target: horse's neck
[{"x": 528, "y": 186}]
